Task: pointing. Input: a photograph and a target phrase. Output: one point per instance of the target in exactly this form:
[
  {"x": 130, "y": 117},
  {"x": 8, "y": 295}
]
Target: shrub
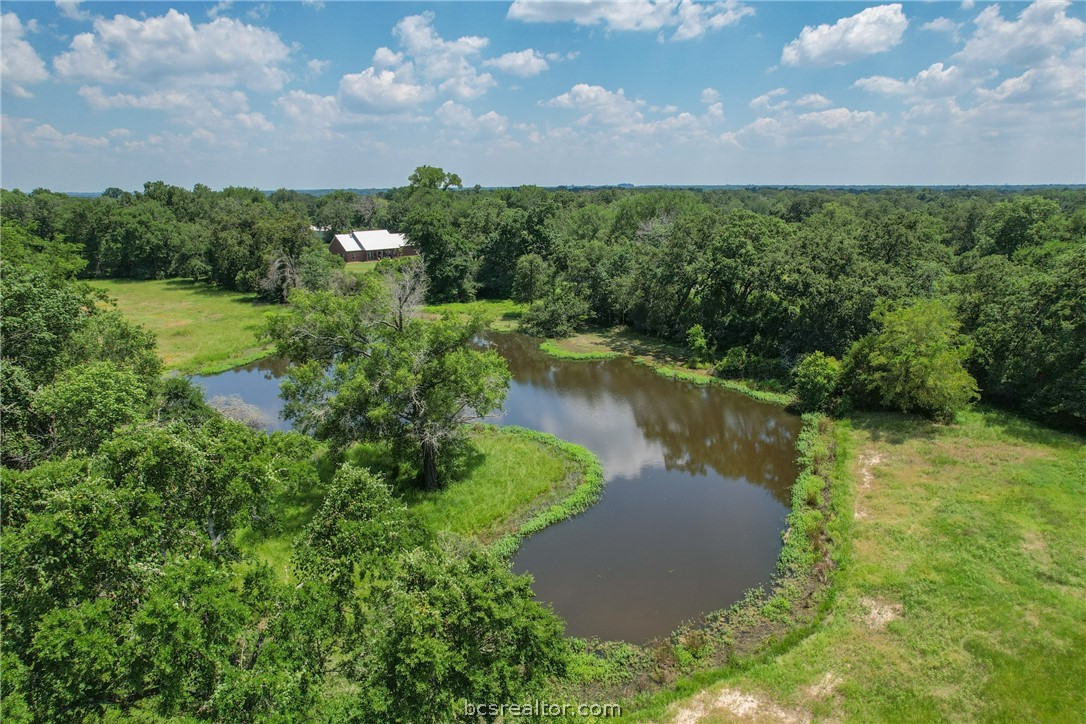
[
  {"x": 698, "y": 344},
  {"x": 815, "y": 380}
]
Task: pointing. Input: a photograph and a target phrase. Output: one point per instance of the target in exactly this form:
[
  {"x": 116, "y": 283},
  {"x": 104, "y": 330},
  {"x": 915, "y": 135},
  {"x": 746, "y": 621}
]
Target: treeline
[
  {"x": 941, "y": 287},
  {"x": 237, "y": 238},
  {"x": 757, "y": 279},
  {"x": 127, "y": 592}
]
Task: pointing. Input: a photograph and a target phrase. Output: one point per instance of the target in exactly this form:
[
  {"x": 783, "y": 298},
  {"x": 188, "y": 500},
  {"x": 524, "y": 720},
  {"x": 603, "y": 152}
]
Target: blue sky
[{"x": 356, "y": 94}]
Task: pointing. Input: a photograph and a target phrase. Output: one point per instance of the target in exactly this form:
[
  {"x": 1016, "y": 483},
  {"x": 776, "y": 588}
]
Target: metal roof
[
  {"x": 378, "y": 240},
  {"x": 348, "y": 243}
]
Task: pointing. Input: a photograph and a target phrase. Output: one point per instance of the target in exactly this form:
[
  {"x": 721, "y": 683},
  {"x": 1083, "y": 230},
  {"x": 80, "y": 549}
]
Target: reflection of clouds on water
[
  {"x": 595, "y": 422},
  {"x": 634, "y": 419}
]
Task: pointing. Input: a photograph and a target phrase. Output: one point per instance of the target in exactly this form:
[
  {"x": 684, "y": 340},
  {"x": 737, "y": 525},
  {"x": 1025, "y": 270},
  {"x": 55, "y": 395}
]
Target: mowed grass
[
  {"x": 360, "y": 267},
  {"x": 965, "y": 595},
  {"x": 509, "y": 479},
  {"x": 200, "y": 328}
]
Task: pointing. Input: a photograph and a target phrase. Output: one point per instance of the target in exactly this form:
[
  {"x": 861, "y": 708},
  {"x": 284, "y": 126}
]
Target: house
[{"x": 370, "y": 245}]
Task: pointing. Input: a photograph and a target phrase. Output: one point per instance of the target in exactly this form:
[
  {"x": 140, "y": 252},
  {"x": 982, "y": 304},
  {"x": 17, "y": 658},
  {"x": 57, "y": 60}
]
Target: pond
[{"x": 697, "y": 490}]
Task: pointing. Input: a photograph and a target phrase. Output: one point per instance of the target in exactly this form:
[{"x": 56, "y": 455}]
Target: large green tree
[{"x": 366, "y": 374}]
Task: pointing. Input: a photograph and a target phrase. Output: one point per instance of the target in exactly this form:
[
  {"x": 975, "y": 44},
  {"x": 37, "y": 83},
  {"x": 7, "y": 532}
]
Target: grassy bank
[
  {"x": 964, "y": 596},
  {"x": 668, "y": 359},
  {"x": 518, "y": 481},
  {"x": 523, "y": 481},
  {"x": 200, "y": 328}
]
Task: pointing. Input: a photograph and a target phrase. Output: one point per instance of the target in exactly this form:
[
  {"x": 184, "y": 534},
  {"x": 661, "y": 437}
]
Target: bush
[
  {"x": 741, "y": 363},
  {"x": 914, "y": 363},
  {"x": 698, "y": 344},
  {"x": 815, "y": 381}
]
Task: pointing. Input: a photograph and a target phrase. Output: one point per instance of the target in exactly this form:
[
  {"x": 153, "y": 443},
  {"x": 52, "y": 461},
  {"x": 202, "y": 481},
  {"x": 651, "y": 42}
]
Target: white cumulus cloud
[
  {"x": 384, "y": 90},
  {"x": 690, "y": 19},
  {"x": 170, "y": 49},
  {"x": 71, "y": 10},
  {"x": 525, "y": 63},
  {"x": 868, "y": 32},
  {"x": 20, "y": 64},
  {"x": 598, "y": 105},
  {"x": 1042, "y": 31}
]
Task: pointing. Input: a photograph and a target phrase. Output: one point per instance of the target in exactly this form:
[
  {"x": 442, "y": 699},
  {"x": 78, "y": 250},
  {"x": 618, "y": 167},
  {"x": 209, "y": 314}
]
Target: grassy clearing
[
  {"x": 964, "y": 596},
  {"x": 200, "y": 328},
  {"x": 553, "y": 348},
  {"x": 517, "y": 474},
  {"x": 501, "y": 314}
]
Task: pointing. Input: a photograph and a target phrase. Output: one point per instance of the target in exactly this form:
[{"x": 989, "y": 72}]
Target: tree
[
  {"x": 530, "y": 278},
  {"x": 815, "y": 379},
  {"x": 560, "y": 313},
  {"x": 432, "y": 177},
  {"x": 454, "y": 626},
  {"x": 914, "y": 362},
  {"x": 366, "y": 373},
  {"x": 85, "y": 404},
  {"x": 699, "y": 346},
  {"x": 358, "y": 527}
]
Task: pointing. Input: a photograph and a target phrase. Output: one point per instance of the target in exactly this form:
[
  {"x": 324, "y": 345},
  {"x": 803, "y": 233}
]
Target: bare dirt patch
[
  {"x": 824, "y": 687},
  {"x": 735, "y": 705},
  {"x": 880, "y": 612},
  {"x": 868, "y": 461}
]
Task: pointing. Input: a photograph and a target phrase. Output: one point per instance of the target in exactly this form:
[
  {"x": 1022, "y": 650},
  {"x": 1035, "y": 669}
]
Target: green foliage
[
  {"x": 530, "y": 278},
  {"x": 108, "y": 336},
  {"x": 357, "y": 528},
  {"x": 41, "y": 312},
  {"x": 85, "y": 404},
  {"x": 698, "y": 344},
  {"x": 432, "y": 177},
  {"x": 410, "y": 383},
  {"x": 450, "y": 627},
  {"x": 914, "y": 363},
  {"x": 1029, "y": 325},
  {"x": 815, "y": 378},
  {"x": 560, "y": 313}
]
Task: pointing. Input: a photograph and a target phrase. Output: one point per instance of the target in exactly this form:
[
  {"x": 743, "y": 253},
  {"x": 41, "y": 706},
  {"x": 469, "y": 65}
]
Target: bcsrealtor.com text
[{"x": 541, "y": 709}]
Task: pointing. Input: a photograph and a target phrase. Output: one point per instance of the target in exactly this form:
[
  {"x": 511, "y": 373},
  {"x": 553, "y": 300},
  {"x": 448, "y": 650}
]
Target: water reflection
[
  {"x": 697, "y": 492},
  {"x": 256, "y": 383},
  {"x": 697, "y": 487}
]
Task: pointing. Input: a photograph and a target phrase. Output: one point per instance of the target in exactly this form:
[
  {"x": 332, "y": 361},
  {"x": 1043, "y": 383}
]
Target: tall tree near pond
[{"x": 366, "y": 373}]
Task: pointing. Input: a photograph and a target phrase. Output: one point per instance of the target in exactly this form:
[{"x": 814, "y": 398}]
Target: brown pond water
[{"x": 697, "y": 488}]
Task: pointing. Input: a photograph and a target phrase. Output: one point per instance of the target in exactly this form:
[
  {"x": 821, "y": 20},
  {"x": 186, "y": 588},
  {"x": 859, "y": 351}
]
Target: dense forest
[{"x": 915, "y": 299}]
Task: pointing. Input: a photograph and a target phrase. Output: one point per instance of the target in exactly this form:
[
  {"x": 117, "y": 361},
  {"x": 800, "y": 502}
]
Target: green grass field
[
  {"x": 200, "y": 328},
  {"x": 965, "y": 595},
  {"x": 512, "y": 477}
]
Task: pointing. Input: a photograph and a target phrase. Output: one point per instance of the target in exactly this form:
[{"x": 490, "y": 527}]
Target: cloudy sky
[{"x": 322, "y": 94}]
